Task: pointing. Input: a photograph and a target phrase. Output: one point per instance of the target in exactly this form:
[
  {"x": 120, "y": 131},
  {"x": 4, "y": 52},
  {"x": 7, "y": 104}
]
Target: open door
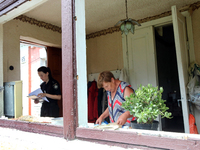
[
  {"x": 182, "y": 61},
  {"x": 54, "y": 62},
  {"x": 141, "y": 57}
]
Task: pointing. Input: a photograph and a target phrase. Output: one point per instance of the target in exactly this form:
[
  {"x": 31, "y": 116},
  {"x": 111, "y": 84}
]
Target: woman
[
  {"x": 116, "y": 92},
  {"x": 51, "y": 90}
]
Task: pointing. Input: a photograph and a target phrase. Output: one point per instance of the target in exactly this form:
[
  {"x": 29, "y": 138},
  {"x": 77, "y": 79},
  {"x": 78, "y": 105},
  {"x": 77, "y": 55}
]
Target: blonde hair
[{"x": 104, "y": 76}]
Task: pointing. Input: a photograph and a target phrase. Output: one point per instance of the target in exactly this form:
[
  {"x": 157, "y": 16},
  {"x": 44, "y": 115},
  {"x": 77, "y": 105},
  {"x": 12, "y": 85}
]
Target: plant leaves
[{"x": 146, "y": 104}]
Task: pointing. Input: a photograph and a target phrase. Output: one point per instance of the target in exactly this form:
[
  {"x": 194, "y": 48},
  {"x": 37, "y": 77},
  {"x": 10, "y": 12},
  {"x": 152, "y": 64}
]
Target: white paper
[{"x": 36, "y": 92}]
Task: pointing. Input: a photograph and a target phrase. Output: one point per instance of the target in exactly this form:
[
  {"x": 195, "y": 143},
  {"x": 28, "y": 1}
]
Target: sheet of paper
[{"x": 35, "y": 93}]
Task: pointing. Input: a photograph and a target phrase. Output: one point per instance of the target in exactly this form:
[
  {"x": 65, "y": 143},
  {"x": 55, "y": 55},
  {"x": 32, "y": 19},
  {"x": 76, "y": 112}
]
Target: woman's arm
[
  {"x": 127, "y": 92},
  {"x": 57, "y": 97},
  {"x": 123, "y": 118}
]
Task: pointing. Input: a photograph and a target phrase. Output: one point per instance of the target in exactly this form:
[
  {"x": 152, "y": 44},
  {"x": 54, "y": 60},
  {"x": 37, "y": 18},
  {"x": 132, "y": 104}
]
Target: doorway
[
  {"x": 168, "y": 77},
  {"x": 32, "y": 57}
]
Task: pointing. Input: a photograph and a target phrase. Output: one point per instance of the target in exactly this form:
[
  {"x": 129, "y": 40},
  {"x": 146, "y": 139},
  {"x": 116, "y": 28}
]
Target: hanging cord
[
  {"x": 126, "y": 9},
  {"x": 127, "y": 56},
  {"x": 127, "y": 39}
]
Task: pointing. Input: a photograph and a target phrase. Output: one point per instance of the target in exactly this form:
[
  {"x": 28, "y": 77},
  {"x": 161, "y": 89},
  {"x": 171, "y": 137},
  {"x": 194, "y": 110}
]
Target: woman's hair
[
  {"x": 45, "y": 70},
  {"x": 105, "y": 76}
]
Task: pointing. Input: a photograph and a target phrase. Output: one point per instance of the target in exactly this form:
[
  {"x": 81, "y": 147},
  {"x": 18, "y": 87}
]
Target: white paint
[
  {"x": 27, "y": 6},
  {"x": 182, "y": 61},
  {"x": 81, "y": 63},
  {"x": 141, "y": 57},
  {"x": 156, "y": 23},
  {"x": 1, "y": 69},
  {"x": 190, "y": 37},
  {"x": 24, "y": 77},
  {"x": 125, "y": 54}
]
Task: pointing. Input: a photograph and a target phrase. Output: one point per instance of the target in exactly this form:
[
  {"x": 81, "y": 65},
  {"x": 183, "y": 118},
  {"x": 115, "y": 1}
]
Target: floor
[{"x": 11, "y": 139}]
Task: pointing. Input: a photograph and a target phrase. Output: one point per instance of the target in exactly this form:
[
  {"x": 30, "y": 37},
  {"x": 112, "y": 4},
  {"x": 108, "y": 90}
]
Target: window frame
[
  {"x": 133, "y": 138},
  {"x": 70, "y": 129}
]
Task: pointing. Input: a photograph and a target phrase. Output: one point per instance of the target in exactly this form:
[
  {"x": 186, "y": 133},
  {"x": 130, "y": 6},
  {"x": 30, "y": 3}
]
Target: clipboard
[{"x": 33, "y": 95}]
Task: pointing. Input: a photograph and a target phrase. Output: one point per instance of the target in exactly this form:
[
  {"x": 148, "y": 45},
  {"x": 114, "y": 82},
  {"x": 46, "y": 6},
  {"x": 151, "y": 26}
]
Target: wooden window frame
[
  {"x": 33, "y": 127},
  {"x": 9, "y": 5}
]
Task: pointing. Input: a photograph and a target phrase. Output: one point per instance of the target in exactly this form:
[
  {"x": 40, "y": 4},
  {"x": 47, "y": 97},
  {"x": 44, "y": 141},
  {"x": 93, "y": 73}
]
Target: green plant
[{"x": 146, "y": 104}]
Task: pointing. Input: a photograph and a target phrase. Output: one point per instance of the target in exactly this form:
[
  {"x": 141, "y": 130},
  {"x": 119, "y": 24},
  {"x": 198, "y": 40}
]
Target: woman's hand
[
  {"x": 123, "y": 118},
  {"x": 41, "y": 95},
  {"x": 36, "y": 101},
  {"x": 99, "y": 120},
  {"x": 103, "y": 116}
]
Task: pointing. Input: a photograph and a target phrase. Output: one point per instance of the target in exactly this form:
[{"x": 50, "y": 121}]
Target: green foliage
[{"x": 146, "y": 104}]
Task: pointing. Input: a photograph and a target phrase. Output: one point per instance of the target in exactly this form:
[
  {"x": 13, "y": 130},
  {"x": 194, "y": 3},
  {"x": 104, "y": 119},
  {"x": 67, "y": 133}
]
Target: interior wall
[
  {"x": 196, "y": 31},
  {"x": 104, "y": 53},
  {"x": 14, "y": 31},
  {"x": 196, "y": 37},
  {"x": 1, "y": 70}
]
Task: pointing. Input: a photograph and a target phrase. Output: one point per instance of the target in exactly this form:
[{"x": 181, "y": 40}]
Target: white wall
[{"x": 14, "y": 31}]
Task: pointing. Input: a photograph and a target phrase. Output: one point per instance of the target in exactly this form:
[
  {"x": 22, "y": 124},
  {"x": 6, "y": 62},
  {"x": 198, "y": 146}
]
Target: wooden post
[{"x": 68, "y": 70}]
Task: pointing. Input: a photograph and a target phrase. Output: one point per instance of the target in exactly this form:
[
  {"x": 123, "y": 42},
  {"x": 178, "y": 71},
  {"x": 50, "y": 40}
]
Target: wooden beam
[
  {"x": 10, "y": 5},
  {"x": 6, "y": 3},
  {"x": 68, "y": 70},
  {"x": 135, "y": 139},
  {"x": 19, "y": 9},
  {"x": 33, "y": 127}
]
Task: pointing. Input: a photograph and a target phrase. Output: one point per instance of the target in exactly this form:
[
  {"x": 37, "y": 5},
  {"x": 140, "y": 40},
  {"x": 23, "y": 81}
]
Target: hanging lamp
[{"x": 127, "y": 24}]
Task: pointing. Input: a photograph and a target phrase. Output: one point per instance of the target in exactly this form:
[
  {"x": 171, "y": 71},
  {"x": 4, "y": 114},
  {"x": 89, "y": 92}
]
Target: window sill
[
  {"x": 142, "y": 138},
  {"x": 40, "y": 128}
]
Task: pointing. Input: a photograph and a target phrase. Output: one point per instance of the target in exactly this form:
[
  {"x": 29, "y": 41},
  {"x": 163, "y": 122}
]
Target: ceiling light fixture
[{"x": 127, "y": 24}]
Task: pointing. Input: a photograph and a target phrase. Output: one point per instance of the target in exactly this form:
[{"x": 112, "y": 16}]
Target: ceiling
[{"x": 103, "y": 14}]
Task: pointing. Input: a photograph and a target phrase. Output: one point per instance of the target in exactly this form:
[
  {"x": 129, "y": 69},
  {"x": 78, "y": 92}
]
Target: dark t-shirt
[{"x": 50, "y": 109}]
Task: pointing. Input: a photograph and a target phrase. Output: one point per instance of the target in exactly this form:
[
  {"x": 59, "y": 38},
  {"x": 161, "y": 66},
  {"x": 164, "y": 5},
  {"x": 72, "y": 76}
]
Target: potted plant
[{"x": 146, "y": 104}]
